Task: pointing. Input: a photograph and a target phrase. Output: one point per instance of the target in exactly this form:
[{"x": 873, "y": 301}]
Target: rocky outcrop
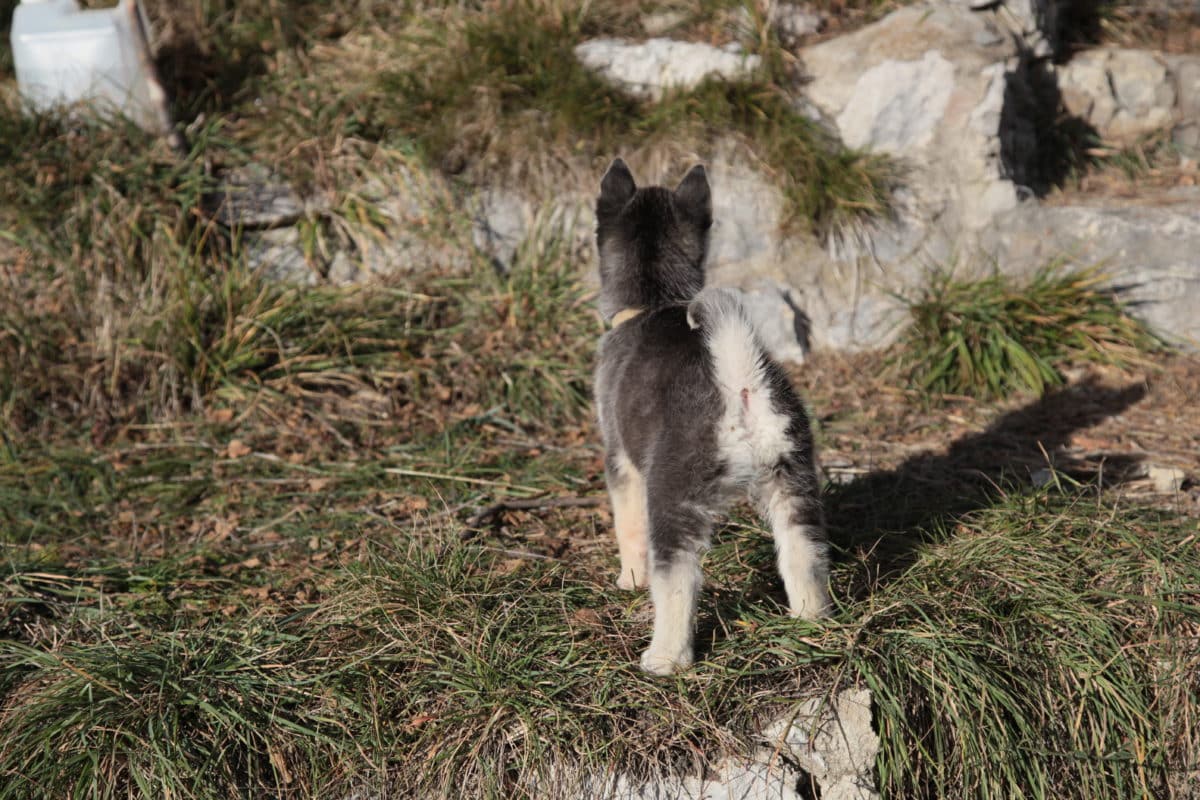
[
  {"x": 961, "y": 94},
  {"x": 928, "y": 86}
]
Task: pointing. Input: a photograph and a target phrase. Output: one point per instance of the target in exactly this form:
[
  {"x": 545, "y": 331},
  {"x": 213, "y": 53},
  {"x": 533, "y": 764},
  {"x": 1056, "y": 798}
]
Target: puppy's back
[{"x": 657, "y": 387}]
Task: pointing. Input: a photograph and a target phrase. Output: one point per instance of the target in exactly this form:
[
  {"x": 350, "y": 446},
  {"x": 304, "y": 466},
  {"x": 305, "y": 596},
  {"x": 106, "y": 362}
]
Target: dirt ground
[
  {"x": 899, "y": 467},
  {"x": 1107, "y": 428}
]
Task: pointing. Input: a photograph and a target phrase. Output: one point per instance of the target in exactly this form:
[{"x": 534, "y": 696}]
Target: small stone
[
  {"x": 1042, "y": 477},
  {"x": 279, "y": 256},
  {"x": 1166, "y": 480},
  {"x": 255, "y": 197},
  {"x": 795, "y": 23}
]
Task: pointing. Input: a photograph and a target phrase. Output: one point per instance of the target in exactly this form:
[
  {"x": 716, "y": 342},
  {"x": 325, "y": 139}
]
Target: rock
[
  {"x": 1186, "y": 71},
  {"x": 793, "y": 23},
  {"x": 930, "y": 85},
  {"x": 413, "y": 230},
  {"x": 729, "y": 779},
  {"x": 833, "y": 742},
  {"x": 1186, "y": 134},
  {"x": 1149, "y": 250},
  {"x": 1035, "y": 23},
  {"x": 785, "y": 330},
  {"x": 500, "y": 222},
  {"x": 1166, "y": 480},
  {"x": 280, "y": 256},
  {"x": 254, "y": 196},
  {"x": 1186, "y": 139},
  {"x": 1123, "y": 94},
  {"x": 650, "y": 69},
  {"x": 897, "y": 105}
]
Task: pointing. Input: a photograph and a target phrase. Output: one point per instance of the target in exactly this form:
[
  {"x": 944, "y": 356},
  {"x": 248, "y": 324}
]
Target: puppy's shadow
[{"x": 888, "y": 515}]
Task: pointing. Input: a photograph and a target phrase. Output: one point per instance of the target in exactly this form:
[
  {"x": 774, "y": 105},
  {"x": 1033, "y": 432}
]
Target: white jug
[{"x": 64, "y": 55}]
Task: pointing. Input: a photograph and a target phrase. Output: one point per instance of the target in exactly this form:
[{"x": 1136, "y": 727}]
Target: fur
[{"x": 693, "y": 412}]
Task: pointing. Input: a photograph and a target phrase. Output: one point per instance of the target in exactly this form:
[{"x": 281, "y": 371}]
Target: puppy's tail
[{"x": 738, "y": 357}]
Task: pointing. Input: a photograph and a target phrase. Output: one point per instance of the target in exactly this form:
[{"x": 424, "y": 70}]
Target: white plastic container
[{"x": 64, "y": 55}]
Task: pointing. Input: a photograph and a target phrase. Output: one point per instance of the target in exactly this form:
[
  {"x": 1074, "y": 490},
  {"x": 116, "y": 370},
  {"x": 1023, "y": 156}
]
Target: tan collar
[{"x": 624, "y": 315}]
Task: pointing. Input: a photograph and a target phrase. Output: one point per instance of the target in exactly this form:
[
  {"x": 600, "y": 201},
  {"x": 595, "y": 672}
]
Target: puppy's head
[{"x": 652, "y": 241}]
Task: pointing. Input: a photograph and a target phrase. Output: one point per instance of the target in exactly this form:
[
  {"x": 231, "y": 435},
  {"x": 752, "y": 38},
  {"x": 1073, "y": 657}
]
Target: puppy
[{"x": 693, "y": 413}]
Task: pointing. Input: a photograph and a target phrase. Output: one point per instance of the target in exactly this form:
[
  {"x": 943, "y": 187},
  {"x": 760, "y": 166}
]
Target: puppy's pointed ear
[
  {"x": 616, "y": 187},
  {"x": 694, "y": 197}
]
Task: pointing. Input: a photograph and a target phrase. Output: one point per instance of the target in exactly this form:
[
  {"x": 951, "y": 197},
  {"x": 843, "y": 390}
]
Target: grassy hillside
[{"x": 270, "y": 541}]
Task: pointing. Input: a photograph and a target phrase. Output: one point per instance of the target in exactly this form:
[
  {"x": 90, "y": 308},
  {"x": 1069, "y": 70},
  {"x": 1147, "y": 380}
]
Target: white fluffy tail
[{"x": 737, "y": 353}]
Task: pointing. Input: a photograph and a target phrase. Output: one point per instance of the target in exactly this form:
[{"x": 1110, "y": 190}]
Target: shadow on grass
[
  {"x": 888, "y": 515},
  {"x": 883, "y": 519}
]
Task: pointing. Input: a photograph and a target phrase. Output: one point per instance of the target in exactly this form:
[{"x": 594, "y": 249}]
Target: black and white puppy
[{"x": 693, "y": 412}]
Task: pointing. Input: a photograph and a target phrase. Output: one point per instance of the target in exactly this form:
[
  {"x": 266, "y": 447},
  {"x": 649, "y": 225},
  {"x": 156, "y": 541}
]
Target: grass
[
  {"x": 1024, "y": 653},
  {"x": 242, "y": 542},
  {"x": 484, "y": 90},
  {"x": 497, "y": 87},
  {"x": 994, "y": 337}
]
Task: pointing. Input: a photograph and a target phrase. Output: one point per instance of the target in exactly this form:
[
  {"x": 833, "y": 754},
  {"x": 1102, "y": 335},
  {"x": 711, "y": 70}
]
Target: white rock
[
  {"x": 729, "y": 779},
  {"x": 795, "y": 22},
  {"x": 929, "y": 85},
  {"x": 834, "y": 742},
  {"x": 831, "y": 741},
  {"x": 785, "y": 330},
  {"x": 651, "y": 68},
  {"x": 896, "y": 106},
  {"x": 278, "y": 254},
  {"x": 1166, "y": 480}
]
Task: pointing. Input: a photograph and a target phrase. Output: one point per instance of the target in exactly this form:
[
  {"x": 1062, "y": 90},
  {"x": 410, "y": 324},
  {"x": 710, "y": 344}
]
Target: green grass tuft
[{"x": 994, "y": 337}]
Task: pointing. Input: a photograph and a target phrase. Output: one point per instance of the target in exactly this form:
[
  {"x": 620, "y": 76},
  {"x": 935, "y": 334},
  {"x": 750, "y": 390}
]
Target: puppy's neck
[{"x": 624, "y": 315}]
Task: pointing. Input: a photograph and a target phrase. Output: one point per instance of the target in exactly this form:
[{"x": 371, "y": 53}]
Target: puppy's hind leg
[
  {"x": 676, "y": 541},
  {"x": 791, "y": 501},
  {"x": 627, "y": 488}
]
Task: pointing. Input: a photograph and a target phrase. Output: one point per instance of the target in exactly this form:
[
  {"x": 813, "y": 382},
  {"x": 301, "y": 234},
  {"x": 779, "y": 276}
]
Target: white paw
[
  {"x": 813, "y": 603},
  {"x": 659, "y": 663},
  {"x": 630, "y": 579}
]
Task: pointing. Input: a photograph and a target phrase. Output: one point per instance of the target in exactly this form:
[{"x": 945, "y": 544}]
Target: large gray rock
[
  {"x": 1151, "y": 252},
  {"x": 651, "y": 68},
  {"x": 928, "y": 85}
]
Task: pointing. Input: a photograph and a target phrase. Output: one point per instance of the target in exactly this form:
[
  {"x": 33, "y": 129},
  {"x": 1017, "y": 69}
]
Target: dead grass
[{"x": 241, "y": 548}]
